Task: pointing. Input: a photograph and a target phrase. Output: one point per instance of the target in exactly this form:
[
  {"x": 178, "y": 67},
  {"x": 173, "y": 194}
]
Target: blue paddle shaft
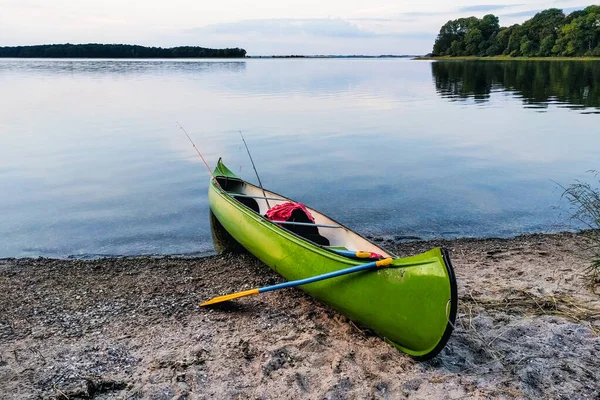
[
  {"x": 328, "y": 275},
  {"x": 346, "y": 253}
]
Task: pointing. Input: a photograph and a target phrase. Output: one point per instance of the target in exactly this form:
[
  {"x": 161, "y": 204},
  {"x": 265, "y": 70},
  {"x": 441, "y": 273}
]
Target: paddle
[
  {"x": 357, "y": 254},
  {"x": 362, "y": 267}
]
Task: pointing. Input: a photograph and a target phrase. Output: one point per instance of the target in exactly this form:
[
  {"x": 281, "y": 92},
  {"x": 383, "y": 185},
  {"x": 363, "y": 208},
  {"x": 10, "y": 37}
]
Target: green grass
[
  {"x": 585, "y": 208},
  {"x": 508, "y": 58}
]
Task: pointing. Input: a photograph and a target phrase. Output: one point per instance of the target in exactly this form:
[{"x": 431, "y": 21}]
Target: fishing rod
[
  {"x": 198, "y": 151},
  {"x": 255, "y": 171}
]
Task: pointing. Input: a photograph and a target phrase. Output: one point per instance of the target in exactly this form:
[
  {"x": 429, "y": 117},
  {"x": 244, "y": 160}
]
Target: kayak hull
[{"x": 411, "y": 304}]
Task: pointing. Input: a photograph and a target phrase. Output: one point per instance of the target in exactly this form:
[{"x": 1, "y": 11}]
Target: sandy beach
[{"x": 131, "y": 328}]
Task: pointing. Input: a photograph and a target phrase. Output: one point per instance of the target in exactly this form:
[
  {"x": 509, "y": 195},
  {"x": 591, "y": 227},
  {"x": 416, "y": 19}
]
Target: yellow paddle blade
[
  {"x": 384, "y": 262},
  {"x": 229, "y": 297}
]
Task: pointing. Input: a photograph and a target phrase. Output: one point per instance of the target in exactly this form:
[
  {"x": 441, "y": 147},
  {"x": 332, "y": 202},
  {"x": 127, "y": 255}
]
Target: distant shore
[
  {"x": 527, "y": 327},
  {"x": 336, "y": 56},
  {"x": 96, "y": 50},
  {"x": 505, "y": 58}
]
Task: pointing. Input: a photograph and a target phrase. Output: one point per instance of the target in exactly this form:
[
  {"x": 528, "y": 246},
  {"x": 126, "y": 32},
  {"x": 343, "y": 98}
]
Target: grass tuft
[{"x": 584, "y": 200}]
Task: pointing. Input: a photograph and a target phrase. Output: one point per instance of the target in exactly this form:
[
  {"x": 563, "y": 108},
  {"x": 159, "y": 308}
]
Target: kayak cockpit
[{"x": 322, "y": 231}]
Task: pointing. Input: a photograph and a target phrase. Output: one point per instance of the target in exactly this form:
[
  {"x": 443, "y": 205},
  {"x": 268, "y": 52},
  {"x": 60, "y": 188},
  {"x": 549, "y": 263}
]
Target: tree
[
  {"x": 466, "y": 35},
  {"x": 514, "y": 41},
  {"x": 489, "y": 26},
  {"x": 472, "y": 41},
  {"x": 94, "y": 50},
  {"x": 527, "y": 47},
  {"x": 546, "y": 46},
  {"x": 548, "y": 33}
]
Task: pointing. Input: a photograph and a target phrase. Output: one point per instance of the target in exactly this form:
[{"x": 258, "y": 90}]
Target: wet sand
[{"x": 131, "y": 328}]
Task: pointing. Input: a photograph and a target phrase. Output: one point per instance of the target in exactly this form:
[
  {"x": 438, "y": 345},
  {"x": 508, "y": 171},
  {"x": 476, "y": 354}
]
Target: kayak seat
[
  {"x": 248, "y": 202},
  {"x": 309, "y": 232}
]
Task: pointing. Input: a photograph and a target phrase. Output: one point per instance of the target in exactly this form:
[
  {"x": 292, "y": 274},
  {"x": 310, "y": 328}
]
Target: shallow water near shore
[{"x": 93, "y": 164}]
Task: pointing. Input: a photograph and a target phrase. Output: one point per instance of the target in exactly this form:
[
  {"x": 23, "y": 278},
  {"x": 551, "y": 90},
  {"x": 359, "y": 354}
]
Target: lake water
[{"x": 92, "y": 162}]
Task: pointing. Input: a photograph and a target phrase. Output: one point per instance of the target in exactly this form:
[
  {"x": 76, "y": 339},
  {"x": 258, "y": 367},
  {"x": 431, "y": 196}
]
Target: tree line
[
  {"x": 549, "y": 33},
  {"x": 94, "y": 50}
]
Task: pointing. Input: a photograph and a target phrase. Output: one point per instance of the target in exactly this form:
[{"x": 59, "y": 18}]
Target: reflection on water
[
  {"x": 222, "y": 240},
  {"x": 92, "y": 162},
  {"x": 100, "y": 67},
  {"x": 575, "y": 84}
]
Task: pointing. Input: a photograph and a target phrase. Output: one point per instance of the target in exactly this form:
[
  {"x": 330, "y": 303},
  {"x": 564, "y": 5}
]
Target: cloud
[
  {"x": 315, "y": 27},
  {"x": 529, "y": 13},
  {"x": 312, "y": 36},
  {"x": 323, "y": 27},
  {"x": 424, "y": 14},
  {"x": 369, "y": 19},
  {"x": 485, "y": 7},
  {"x": 399, "y": 17},
  {"x": 569, "y": 10}
]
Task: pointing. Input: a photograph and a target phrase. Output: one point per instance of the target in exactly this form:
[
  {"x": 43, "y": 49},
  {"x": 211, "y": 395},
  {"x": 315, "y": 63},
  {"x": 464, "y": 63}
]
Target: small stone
[{"x": 412, "y": 385}]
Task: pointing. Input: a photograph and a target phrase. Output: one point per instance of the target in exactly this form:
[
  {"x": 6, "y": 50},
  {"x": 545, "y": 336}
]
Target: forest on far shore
[
  {"x": 550, "y": 33},
  {"x": 95, "y": 50}
]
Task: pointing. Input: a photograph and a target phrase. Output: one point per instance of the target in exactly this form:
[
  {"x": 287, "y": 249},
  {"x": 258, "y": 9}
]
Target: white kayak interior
[{"x": 337, "y": 235}]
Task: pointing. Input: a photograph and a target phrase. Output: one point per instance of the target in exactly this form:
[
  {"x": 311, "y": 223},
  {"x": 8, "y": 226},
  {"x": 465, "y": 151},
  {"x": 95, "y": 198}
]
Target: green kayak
[{"x": 411, "y": 305}]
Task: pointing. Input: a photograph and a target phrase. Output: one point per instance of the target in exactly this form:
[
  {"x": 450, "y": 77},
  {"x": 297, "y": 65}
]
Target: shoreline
[
  {"x": 386, "y": 241},
  {"x": 504, "y": 58},
  {"x": 130, "y": 327}
]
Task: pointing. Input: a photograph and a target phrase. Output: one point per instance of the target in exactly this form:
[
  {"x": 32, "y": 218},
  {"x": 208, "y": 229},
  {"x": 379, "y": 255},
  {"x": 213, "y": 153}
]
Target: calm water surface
[{"x": 92, "y": 162}]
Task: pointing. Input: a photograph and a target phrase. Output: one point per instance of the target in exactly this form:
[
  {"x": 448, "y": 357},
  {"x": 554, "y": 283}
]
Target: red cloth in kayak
[{"x": 282, "y": 212}]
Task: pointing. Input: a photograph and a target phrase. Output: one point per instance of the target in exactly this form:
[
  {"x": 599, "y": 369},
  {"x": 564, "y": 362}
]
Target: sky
[{"x": 262, "y": 27}]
